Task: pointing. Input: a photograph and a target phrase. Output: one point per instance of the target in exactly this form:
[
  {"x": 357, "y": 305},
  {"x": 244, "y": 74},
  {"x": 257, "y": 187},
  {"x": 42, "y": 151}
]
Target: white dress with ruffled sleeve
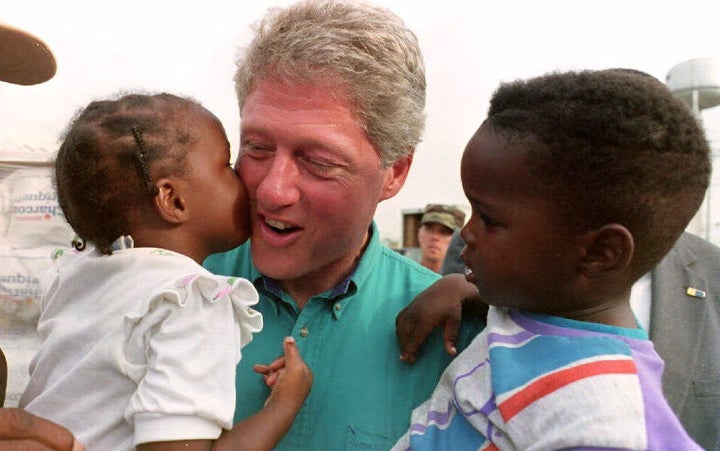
[{"x": 139, "y": 346}]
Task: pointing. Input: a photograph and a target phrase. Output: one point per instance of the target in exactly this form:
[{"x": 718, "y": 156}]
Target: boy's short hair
[{"x": 611, "y": 146}]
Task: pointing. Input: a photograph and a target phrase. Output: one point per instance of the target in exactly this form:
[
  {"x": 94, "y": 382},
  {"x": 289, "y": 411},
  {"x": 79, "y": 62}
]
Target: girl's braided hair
[{"x": 110, "y": 154}]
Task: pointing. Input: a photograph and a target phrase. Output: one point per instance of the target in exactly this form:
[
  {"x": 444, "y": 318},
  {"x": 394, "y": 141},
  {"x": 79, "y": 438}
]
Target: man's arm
[{"x": 443, "y": 304}]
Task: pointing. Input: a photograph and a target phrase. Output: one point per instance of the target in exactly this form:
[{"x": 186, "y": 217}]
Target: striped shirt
[{"x": 532, "y": 381}]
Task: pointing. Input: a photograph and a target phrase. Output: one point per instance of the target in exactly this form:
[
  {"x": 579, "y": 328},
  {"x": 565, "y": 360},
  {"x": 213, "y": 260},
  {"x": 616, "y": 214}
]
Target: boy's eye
[
  {"x": 489, "y": 222},
  {"x": 486, "y": 219}
]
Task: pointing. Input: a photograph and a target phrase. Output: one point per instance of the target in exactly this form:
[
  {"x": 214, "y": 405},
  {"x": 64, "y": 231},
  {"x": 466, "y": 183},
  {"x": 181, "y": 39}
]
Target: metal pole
[{"x": 708, "y": 203}]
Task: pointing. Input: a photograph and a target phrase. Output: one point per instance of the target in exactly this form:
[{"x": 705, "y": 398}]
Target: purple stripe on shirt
[
  {"x": 485, "y": 409},
  {"x": 539, "y": 328},
  {"x": 515, "y": 339},
  {"x": 438, "y": 418}
]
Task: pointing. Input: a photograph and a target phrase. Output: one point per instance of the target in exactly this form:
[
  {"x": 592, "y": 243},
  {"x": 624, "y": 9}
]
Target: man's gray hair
[{"x": 362, "y": 52}]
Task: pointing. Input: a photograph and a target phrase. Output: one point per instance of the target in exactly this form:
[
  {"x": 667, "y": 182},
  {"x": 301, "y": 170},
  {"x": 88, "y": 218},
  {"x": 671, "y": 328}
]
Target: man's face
[
  {"x": 314, "y": 181},
  {"x": 434, "y": 239}
]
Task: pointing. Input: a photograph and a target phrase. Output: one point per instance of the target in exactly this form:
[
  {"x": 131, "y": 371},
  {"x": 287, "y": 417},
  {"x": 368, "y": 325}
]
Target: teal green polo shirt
[{"x": 362, "y": 394}]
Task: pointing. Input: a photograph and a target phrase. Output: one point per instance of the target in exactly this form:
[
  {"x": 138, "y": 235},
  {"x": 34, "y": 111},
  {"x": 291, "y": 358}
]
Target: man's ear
[
  {"x": 608, "y": 251},
  {"x": 170, "y": 204},
  {"x": 396, "y": 176}
]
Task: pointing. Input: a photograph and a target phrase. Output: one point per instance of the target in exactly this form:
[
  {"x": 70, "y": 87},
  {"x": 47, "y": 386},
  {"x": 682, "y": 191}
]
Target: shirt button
[
  {"x": 338, "y": 307},
  {"x": 304, "y": 331}
]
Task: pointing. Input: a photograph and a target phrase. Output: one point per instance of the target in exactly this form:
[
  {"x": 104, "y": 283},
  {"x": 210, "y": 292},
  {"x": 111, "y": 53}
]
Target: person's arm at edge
[
  {"x": 20, "y": 429},
  {"x": 3, "y": 377}
]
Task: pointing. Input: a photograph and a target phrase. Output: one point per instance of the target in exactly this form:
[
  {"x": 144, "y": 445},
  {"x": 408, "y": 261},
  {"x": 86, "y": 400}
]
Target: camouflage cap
[{"x": 451, "y": 217}]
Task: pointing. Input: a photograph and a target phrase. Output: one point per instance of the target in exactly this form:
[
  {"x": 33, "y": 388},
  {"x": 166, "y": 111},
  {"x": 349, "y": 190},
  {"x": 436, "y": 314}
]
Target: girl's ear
[
  {"x": 170, "y": 204},
  {"x": 608, "y": 251}
]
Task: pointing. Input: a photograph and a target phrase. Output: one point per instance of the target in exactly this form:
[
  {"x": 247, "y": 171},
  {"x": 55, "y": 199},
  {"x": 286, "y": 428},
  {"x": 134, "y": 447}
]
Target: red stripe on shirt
[{"x": 554, "y": 381}]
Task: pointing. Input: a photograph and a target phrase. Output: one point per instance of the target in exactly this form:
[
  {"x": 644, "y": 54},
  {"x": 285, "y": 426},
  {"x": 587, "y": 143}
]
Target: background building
[
  {"x": 31, "y": 226},
  {"x": 697, "y": 82}
]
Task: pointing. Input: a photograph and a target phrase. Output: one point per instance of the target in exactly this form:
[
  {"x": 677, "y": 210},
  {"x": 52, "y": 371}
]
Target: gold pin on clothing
[{"x": 694, "y": 292}]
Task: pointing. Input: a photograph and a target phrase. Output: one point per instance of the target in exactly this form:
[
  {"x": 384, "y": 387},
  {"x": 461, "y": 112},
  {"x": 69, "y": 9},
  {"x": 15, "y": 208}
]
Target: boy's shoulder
[{"x": 533, "y": 376}]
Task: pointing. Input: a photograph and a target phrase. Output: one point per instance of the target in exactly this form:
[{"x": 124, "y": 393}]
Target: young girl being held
[{"x": 140, "y": 342}]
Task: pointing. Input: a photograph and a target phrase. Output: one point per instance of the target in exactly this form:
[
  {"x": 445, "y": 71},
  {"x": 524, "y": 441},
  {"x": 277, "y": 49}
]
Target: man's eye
[
  {"x": 253, "y": 148},
  {"x": 319, "y": 165}
]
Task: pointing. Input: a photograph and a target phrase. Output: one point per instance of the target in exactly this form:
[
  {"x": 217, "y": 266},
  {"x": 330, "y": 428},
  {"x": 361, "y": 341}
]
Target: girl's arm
[{"x": 291, "y": 381}]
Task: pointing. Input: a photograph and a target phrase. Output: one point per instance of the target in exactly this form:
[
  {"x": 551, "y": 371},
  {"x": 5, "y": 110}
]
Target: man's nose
[{"x": 279, "y": 185}]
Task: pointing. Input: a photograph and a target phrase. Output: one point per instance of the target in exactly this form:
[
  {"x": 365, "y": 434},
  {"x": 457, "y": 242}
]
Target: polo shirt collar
[
  {"x": 370, "y": 257},
  {"x": 343, "y": 292}
]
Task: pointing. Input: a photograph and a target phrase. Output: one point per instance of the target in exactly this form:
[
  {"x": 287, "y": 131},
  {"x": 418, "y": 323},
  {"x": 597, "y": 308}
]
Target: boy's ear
[
  {"x": 170, "y": 204},
  {"x": 608, "y": 251}
]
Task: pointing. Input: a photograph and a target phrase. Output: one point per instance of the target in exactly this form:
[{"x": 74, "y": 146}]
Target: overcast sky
[{"x": 469, "y": 45}]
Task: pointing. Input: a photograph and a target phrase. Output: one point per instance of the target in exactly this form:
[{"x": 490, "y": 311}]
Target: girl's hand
[{"x": 289, "y": 377}]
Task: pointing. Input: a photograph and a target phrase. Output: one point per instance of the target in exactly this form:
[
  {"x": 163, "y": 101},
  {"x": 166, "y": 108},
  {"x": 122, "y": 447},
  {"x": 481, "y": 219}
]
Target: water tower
[{"x": 697, "y": 82}]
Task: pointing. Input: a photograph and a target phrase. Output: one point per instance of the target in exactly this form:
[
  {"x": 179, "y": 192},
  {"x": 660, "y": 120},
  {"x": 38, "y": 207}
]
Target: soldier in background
[{"x": 436, "y": 227}]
